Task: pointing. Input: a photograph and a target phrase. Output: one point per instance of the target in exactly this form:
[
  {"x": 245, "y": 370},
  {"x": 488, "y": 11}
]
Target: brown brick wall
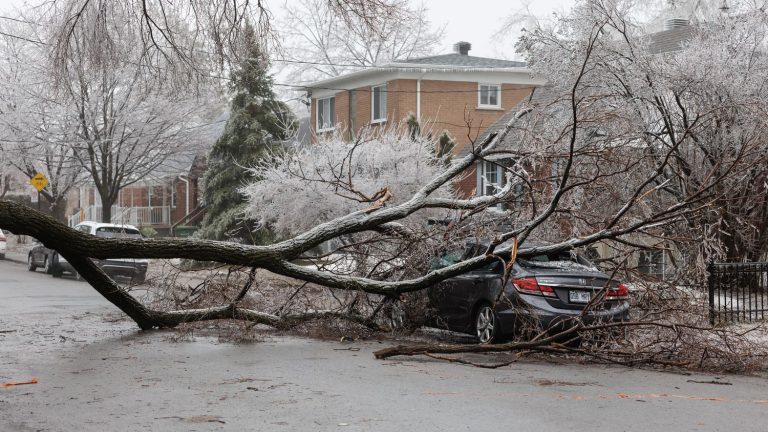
[
  {"x": 445, "y": 105},
  {"x": 401, "y": 99},
  {"x": 467, "y": 183},
  {"x": 452, "y": 106},
  {"x": 448, "y": 105}
]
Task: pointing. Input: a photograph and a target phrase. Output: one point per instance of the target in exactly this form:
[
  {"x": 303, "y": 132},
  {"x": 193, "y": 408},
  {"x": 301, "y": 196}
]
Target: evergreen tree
[{"x": 257, "y": 124}]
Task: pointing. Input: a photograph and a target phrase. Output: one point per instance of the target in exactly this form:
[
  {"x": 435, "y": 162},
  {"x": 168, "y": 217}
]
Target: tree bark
[{"x": 106, "y": 207}]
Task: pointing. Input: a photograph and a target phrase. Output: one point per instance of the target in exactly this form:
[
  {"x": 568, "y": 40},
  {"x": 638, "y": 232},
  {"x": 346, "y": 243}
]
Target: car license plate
[{"x": 579, "y": 296}]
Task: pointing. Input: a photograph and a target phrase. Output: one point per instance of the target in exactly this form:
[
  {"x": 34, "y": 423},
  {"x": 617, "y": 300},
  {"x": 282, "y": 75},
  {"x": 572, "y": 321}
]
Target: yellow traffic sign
[{"x": 39, "y": 182}]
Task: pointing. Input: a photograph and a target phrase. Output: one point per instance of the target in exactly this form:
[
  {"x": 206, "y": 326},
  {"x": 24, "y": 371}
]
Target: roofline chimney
[{"x": 462, "y": 47}]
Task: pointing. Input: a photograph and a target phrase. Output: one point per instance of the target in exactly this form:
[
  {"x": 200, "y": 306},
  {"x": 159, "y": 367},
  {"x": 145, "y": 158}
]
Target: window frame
[
  {"x": 320, "y": 106},
  {"x": 486, "y": 183},
  {"x": 650, "y": 264},
  {"x": 480, "y": 103},
  {"x": 382, "y": 97}
]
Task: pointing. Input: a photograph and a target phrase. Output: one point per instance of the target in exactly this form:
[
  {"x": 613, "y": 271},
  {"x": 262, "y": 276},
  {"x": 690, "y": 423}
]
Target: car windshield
[
  {"x": 117, "y": 232},
  {"x": 566, "y": 260}
]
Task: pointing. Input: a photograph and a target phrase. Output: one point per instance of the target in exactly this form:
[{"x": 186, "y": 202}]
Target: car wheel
[
  {"x": 486, "y": 324},
  {"x": 31, "y": 263}
]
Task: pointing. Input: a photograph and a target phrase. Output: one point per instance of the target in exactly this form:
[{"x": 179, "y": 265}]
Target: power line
[{"x": 305, "y": 86}]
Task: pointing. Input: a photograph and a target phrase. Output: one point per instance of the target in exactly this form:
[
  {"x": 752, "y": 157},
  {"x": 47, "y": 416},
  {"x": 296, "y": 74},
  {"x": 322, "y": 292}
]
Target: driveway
[{"x": 96, "y": 372}]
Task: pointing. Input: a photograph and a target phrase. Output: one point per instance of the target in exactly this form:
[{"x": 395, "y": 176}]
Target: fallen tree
[
  {"x": 621, "y": 165},
  {"x": 78, "y": 247}
]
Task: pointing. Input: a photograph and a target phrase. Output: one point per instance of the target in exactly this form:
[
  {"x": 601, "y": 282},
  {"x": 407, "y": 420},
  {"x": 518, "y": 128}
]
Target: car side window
[
  {"x": 494, "y": 267},
  {"x": 478, "y": 249}
]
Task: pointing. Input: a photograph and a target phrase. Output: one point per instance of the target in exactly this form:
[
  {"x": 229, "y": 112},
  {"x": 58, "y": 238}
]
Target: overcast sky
[{"x": 477, "y": 21}]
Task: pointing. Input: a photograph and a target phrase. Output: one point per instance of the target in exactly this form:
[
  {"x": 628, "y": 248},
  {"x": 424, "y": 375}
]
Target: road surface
[{"x": 96, "y": 372}]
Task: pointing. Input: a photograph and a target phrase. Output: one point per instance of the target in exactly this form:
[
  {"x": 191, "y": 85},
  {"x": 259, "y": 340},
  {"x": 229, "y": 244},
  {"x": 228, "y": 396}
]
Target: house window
[
  {"x": 489, "y": 96},
  {"x": 379, "y": 103},
  {"x": 490, "y": 179},
  {"x": 652, "y": 263},
  {"x": 326, "y": 114}
]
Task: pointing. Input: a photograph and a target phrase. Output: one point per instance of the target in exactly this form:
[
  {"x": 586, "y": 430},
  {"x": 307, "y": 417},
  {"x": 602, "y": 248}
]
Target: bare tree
[
  {"x": 37, "y": 133},
  {"x": 112, "y": 122},
  {"x": 320, "y": 44},
  {"x": 179, "y": 41}
]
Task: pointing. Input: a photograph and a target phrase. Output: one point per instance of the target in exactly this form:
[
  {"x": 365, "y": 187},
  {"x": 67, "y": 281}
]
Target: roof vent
[
  {"x": 675, "y": 23},
  {"x": 462, "y": 48}
]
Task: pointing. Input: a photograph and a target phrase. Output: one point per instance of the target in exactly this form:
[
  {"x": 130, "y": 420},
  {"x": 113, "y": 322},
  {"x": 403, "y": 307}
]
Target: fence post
[{"x": 711, "y": 280}]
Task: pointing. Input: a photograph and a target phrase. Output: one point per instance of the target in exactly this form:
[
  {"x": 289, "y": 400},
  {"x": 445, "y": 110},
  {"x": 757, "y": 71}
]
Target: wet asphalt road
[{"x": 96, "y": 372}]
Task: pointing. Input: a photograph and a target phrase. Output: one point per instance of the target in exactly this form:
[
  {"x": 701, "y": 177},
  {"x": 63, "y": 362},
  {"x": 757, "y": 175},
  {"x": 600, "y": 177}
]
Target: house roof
[
  {"x": 456, "y": 59},
  {"x": 516, "y": 74},
  {"x": 452, "y": 67}
]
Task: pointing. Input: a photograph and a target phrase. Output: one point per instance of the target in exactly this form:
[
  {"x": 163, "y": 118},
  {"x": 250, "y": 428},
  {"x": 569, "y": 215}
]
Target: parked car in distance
[
  {"x": 41, "y": 257},
  {"x": 56, "y": 265},
  {"x": 549, "y": 289},
  {"x": 3, "y": 244}
]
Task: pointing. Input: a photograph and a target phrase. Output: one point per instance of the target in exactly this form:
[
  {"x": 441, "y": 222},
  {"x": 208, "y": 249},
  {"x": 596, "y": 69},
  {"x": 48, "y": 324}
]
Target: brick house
[
  {"x": 163, "y": 202},
  {"x": 457, "y": 93}
]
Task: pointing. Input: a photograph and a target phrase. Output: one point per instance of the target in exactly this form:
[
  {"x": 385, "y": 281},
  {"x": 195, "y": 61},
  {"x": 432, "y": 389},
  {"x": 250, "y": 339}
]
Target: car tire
[
  {"x": 31, "y": 263},
  {"x": 486, "y": 324},
  {"x": 2, "y": 256}
]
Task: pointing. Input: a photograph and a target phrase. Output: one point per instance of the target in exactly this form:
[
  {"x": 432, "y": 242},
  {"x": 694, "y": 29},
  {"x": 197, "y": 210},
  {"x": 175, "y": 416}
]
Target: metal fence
[{"x": 738, "y": 292}]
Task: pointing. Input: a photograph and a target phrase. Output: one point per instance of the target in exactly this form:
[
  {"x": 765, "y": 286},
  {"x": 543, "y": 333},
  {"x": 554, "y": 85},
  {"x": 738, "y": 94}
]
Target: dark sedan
[{"x": 546, "y": 290}]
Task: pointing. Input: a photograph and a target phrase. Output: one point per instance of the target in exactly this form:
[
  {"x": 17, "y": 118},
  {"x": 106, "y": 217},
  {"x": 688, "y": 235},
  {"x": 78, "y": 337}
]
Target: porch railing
[{"x": 139, "y": 216}]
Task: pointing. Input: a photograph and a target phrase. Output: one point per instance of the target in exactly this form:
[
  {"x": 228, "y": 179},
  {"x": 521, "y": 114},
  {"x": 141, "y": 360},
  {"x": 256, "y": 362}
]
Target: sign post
[{"x": 39, "y": 182}]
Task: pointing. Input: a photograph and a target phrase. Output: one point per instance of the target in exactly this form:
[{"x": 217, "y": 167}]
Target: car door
[{"x": 472, "y": 288}]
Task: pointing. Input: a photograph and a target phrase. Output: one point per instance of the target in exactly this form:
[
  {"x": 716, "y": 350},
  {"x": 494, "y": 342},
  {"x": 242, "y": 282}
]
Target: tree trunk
[
  {"x": 58, "y": 209},
  {"x": 107, "y": 201}
]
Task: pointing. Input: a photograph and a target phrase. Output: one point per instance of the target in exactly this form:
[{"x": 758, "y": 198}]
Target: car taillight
[
  {"x": 619, "y": 292},
  {"x": 530, "y": 285},
  {"x": 2, "y": 237}
]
